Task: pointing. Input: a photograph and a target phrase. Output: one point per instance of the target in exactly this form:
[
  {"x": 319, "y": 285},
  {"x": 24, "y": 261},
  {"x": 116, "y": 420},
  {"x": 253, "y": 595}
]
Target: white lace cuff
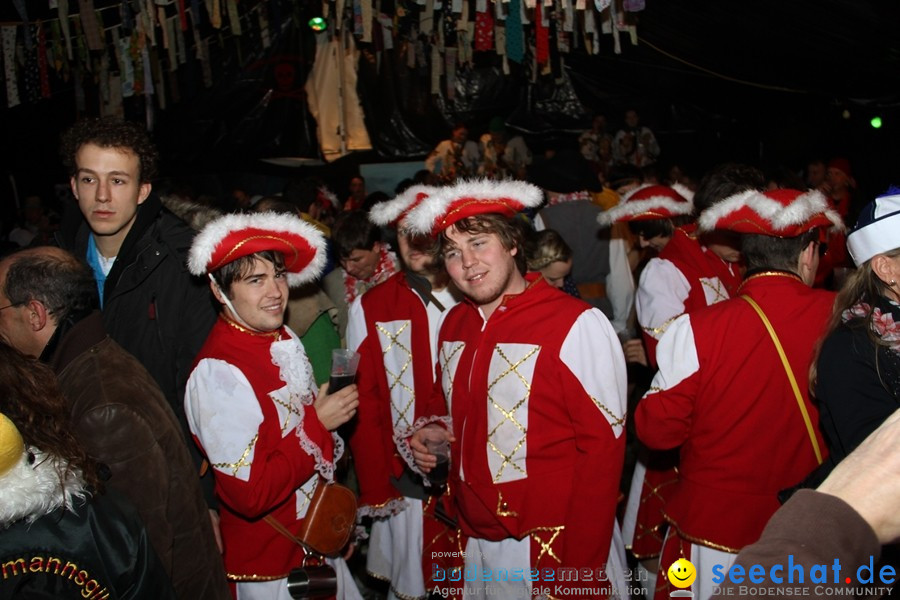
[
  {"x": 401, "y": 440},
  {"x": 380, "y": 511}
]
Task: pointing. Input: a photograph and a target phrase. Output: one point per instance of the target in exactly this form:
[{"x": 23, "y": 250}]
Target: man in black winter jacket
[{"x": 137, "y": 250}]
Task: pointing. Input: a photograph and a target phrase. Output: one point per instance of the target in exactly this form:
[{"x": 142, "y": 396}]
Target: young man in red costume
[
  {"x": 681, "y": 278},
  {"x": 732, "y": 390},
  {"x": 251, "y": 400},
  {"x": 691, "y": 271},
  {"x": 394, "y": 328},
  {"x": 534, "y": 382}
]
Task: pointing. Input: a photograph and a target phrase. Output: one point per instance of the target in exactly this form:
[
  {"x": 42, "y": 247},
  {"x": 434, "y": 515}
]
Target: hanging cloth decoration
[
  {"x": 89, "y": 24},
  {"x": 9, "y": 65},
  {"x": 64, "y": 24},
  {"x": 357, "y": 18},
  {"x": 43, "y": 70},
  {"x": 234, "y": 18},
  {"x": 541, "y": 36},
  {"x": 182, "y": 16},
  {"x": 26, "y": 30},
  {"x": 126, "y": 14},
  {"x": 367, "y": 16},
  {"x": 515, "y": 37},
  {"x": 484, "y": 32},
  {"x": 195, "y": 12}
]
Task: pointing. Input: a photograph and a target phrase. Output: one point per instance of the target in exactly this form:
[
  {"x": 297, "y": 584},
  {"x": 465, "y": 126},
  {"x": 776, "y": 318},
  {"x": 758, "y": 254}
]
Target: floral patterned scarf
[
  {"x": 882, "y": 323},
  {"x": 387, "y": 266}
]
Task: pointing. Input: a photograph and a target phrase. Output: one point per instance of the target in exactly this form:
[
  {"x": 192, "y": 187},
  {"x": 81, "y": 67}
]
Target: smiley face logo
[{"x": 682, "y": 573}]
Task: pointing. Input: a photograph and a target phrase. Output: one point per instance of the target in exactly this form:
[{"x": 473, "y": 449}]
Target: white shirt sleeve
[
  {"x": 228, "y": 436},
  {"x": 661, "y": 295},
  {"x": 676, "y": 355},
  {"x": 619, "y": 284},
  {"x": 593, "y": 353},
  {"x": 356, "y": 325}
]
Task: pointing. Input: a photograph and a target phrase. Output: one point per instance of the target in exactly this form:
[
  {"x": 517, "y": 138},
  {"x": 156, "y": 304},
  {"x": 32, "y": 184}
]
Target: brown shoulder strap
[{"x": 282, "y": 530}]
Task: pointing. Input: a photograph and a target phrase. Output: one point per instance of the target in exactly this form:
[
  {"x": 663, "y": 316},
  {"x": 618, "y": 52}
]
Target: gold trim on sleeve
[
  {"x": 617, "y": 421},
  {"x": 241, "y": 461}
]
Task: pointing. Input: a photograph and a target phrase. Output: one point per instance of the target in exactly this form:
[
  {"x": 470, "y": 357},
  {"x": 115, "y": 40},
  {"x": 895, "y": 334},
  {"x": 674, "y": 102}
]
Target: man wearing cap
[
  {"x": 681, "y": 277},
  {"x": 534, "y": 382},
  {"x": 394, "y": 328},
  {"x": 251, "y": 400},
  {"x": 679, "y": 280},
  {"x": 732, "y": 387}
]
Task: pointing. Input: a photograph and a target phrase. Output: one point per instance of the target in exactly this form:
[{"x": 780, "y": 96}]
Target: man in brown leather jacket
[{"x": 47, "y": 310}]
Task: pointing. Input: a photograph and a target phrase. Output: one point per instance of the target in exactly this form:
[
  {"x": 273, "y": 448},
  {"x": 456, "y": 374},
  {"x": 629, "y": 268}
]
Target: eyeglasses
[{"x": 9, "y": 306}]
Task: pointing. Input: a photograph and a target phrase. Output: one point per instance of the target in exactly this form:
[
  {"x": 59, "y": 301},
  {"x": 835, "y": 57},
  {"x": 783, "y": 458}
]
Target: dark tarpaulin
[
  {"x": 257, "y": 111},
  {"x": 391, "y": 98}
]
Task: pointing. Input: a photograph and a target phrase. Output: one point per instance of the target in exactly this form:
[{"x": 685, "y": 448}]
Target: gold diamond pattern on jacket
[
  {"x": 718, "y": 290},
  {"x": 546, "y": 547},
  {"x": 509, "y": 415},
  {"x": 395, "y": 377},
  {"x": 445, "y": 364}
]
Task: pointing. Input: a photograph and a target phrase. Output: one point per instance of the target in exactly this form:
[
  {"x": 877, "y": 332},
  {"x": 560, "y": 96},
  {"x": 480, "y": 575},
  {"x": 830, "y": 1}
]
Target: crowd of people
[{"x": 621, "y": 373}]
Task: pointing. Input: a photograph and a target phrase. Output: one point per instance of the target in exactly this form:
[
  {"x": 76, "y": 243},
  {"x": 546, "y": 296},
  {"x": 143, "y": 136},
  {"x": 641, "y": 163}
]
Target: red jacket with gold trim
[
  {"x": 248, "y": 404},
  {"x": 390, "y": 330},
  {"x": 702, "y": 279},
  {"x": 723, "y": 397},
  {"x": 537, "y": 398}
]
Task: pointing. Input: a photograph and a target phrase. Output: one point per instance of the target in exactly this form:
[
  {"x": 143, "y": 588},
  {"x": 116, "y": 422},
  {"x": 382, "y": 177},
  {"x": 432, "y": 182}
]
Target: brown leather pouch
[{"x": 329, "y": 520}]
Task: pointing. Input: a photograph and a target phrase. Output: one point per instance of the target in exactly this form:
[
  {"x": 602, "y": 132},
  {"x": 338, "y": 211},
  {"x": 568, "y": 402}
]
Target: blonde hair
[{"x": 546, "y": 247}]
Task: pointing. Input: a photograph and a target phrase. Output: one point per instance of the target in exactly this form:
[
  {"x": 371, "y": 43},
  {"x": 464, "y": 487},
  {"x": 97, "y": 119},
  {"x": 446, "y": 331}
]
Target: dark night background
[{"x": 764, "y": 82}]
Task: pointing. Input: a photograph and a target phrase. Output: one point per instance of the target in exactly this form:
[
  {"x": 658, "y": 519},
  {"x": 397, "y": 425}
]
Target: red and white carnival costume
[
  {"x": 684, "y": 277},
  {"x": 536, "y": 393},
  {"x": 723, "y": 397},
  {"x": 681, "y": 279},
  {"x": 249, "y": 405},
  {"x": 395, "y": 333},
  {"x": 537, "y": 398}
]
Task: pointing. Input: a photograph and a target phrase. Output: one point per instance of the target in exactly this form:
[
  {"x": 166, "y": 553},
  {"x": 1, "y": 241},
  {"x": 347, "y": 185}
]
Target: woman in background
[
  {"x": 59, "y": 538},
  {"x": 858, "y": 366},
  {"x": 547, "y": 252}
]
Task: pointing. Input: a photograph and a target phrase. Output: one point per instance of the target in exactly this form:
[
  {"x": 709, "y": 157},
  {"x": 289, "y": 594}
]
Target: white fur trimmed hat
[
  {"x": 877, "y": 229},
  {"x": 778, "y": 213},
  {"x": 647, "y": 203},
  {"x": 391, "y": 213},
  {"x": 447, "y": 205},
  {"x": 233, "y": 236}
]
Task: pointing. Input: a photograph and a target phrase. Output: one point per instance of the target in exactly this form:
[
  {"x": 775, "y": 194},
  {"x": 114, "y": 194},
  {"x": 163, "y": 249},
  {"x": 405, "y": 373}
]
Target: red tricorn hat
[
  {"x": 392, "y": 213},
  {"x": 233, "y": 236},
  {"x": 471, "y": 198},
  {"x": 778, "y": 213},
  {"x": 648, "y": 203}
]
